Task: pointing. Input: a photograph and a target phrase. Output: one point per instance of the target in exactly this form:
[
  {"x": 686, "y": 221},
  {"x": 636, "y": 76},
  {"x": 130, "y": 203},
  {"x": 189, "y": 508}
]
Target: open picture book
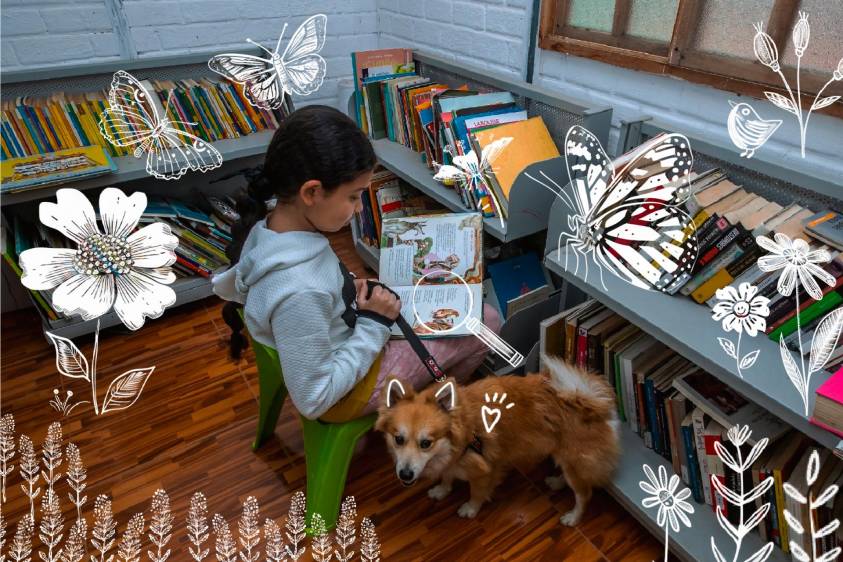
[{"x": 438, "y": 250}]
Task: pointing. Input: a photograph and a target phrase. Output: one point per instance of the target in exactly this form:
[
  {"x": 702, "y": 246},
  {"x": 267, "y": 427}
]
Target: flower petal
[
  {"x": 674, "y": 524},
  {"x": 46, "y": 268},
  {"x": 683, "y": 517},
  {"x": 772, "y": 262},
  {"x": 721, "y": 309},
  {"x": 153, "y": 245},
  {"x": 747, "y": 291},
  {"x": 753, "y": 325},
  {"x": 801, "y": 246},
  {"x": 727, "y": 293},
  {"x": 821, "y": 274},
  {"x": 650, "y": 501},
  {"x": 648, "y": 489},
  {"x": 769, "y": 245},
  {"x": 810, "y": 284},
  {"x": 651, "y": 476},
  {"x": 683, "y": 494},
  {"x": 673, "y": 484},
  {"x": 120, "y": 214},
  {"x": 783, "y": 240},
  {"x": 72, "y": 215},
  {"x": 163, "y": 275},
  {"x": 662, "y": 515},
  {"x": 663, "y": 477},
  {"x": 89, "y": 296},
  {"x": 139, "y": 296},
  {"x": 732, "y": 324},
  {"x": 787, "y": 281},
  {"x": 818, "y": 256}
]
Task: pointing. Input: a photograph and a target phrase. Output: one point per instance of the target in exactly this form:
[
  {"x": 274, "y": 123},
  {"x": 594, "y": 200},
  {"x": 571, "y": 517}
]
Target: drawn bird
[{"x": 748, "y": 131}]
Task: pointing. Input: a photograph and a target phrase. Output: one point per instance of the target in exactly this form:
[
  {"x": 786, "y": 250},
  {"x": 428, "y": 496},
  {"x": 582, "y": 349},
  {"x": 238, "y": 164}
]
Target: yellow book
[
  {"x": 61, "y": 127},
  {"x": 51, "y": 137}
]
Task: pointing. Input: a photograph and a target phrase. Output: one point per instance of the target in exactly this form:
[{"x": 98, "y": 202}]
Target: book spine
[
  {"x": 699, "y": 444},
  {"x": 727, "y": 274},
  {"x": 709, "y": 241},
  {"x": 693, "y": 464},
  {"x": 33, "y": 133},
  {"x": 652, "y": 423},
  {"x": 663, "y": 424},
  {"x": 671, "y": 426},
  {"x": 829, "y": 302},
  {"x": 715, "y": 467},
  {"x": 582, "y": 348},
  {"x": 195, "y": 268},
  {"x": 644, "y": 428},
  {"x": 724, "y": 258}
]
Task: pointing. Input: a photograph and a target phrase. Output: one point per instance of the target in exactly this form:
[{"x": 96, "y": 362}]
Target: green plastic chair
[{"x": 328, "y": 447}]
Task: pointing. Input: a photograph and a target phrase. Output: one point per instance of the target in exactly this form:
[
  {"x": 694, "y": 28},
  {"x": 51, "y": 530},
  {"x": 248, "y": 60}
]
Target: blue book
[
  {"x": 693, "y": 463},
  {"x": 462, "y": 131},
  {"x": 652, "y": 422},
  {"x": 516, "y": 276}
]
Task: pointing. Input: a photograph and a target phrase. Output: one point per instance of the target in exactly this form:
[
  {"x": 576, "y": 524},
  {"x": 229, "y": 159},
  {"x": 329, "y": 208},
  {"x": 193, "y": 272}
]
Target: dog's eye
[
  {"x": 399, "y": 439},
  {"x": 424, "y": 443}
]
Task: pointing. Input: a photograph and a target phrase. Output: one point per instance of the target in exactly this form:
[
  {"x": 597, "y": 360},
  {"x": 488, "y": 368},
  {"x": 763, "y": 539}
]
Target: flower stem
[
  {"x": 94, "y": 368},
  {"x": 796, "y": 106},
  {"x": 810, "y": 109},
  {"x": 811, "y": 507},
  {"x": 666, "y": 529},
  {"x": 738, "y": 356},
  {"x": 799, "y": 99},
  {"x": 803, "y": 391}
]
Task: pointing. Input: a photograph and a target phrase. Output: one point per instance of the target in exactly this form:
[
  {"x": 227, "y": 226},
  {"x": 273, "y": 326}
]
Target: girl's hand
[{"x": 381, "y": 302}]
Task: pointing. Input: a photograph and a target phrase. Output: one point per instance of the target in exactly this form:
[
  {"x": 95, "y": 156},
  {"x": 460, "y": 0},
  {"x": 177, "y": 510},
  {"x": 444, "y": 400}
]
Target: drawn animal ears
[
  {"x": 446, "y": 396},
  {"x": 395, "y": 392}
]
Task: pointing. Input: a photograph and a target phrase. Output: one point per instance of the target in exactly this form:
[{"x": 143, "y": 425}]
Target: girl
[{"x": 297, "y": 295}]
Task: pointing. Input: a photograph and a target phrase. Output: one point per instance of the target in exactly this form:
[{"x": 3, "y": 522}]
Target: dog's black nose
[{"x": 406, "y": 474}]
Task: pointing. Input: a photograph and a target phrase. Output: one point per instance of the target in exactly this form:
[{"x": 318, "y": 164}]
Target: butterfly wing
[
  {"x": 265, "y": 91},
  {"x": 492, "y": 151},
  {"x": 131, "y": 116},
  {"x": 258, "y": 77},
  {"x": 305, "y": 74},
  {"x": 446, "y": 172},
  {"x": 309, "y": 38},
  {"x": 589, "y": 169},
  {"x": 174, "y": 152}
]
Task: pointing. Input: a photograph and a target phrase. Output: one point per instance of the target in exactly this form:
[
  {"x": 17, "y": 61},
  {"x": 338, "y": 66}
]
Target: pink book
[
  {"x": 833, "y": 387},
  {"x": 826, "y": 427}
]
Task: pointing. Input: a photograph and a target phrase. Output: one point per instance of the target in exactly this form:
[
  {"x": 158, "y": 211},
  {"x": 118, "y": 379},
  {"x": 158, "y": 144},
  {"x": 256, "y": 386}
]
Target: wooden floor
[{"x": 192, "y": 428}]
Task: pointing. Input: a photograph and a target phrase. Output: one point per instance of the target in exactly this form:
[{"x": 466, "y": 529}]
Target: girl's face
[{"x": 331, "y": 212}]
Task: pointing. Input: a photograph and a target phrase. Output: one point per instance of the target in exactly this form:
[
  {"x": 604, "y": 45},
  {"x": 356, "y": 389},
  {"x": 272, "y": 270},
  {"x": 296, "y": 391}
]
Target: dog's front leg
[{"x": 441, "y": 490}]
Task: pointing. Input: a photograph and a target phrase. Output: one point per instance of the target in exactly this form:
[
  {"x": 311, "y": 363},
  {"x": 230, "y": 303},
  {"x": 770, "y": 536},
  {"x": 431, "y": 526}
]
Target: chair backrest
[{"x": 268, "y": 362}]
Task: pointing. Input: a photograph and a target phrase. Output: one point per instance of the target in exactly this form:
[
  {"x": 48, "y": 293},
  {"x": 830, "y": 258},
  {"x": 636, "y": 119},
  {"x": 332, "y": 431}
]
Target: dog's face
[{"x": 417, "y": 428}]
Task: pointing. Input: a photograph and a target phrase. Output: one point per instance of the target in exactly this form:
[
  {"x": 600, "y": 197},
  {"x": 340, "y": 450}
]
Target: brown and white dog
[{"x": 441, "y": 433}]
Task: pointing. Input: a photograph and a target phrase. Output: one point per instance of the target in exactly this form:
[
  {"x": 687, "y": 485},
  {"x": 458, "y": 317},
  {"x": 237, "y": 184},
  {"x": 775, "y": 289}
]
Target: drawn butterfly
[
  {"x": 132, "y": 119},
  {"x": 298, "y": 70},
  {"x": 631, "y": 220},
  {"x": 469, "y": 170}
]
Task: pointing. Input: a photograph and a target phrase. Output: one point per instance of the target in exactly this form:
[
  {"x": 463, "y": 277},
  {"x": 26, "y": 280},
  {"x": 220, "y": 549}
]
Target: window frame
[{"x": 677, "y": 58}]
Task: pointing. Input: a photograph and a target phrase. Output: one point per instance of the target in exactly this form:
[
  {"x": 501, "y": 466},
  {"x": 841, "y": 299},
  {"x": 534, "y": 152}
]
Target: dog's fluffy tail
[{"x": 588, "y": 393}]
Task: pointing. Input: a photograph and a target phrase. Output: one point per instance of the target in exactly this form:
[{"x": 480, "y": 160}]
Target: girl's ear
[
  {"x": 446, "y": 395},
  {"x": 308, "y": 191},
  {"x": 395, "y": 391}
]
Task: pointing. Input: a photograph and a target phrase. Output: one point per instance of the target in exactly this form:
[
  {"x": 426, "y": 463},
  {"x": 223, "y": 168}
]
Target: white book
[{"x": 627, "y": 361}]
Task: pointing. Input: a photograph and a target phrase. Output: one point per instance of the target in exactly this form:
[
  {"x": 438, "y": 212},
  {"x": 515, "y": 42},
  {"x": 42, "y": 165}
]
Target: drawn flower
[
  {"x": 129, "y": 271},
  {"x": 796, "y": 259},
  {"x": 838, "y": 73},
  {"x": 672, "y": 506},
  {"x": 741, "y": 310},
  {"x": 765, "y": 48},
  {"x": 801, "y": 34}
]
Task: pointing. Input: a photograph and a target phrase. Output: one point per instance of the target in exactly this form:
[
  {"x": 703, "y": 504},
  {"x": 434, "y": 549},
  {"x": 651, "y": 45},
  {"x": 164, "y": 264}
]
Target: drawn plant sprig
[
  {"x": 249, "y": 531},
  {"x": 160, "y": 526},
  {"x": 63, "y": 405},
  {"x": 320, "y": 546},
  {"x": 273, "y": 542},
  {"x": 197, "y": 525},
  {"x": 812, "y": 502},
  {"x": 51, "y": 454},
  {"x": 104, "y": 529},
  {"x": 295, "y": 526},
  {"x": 30, "y": 472},
  {"x": 76, "y": 476},
  {"x": 346, "y": 532},
  {"x": 21, "y": 548},
  {"x": 52, "y": 524},
  {"x": 767, "y": 54},
  {"x": 7, "y": 449},
  {"x": 225, "y": 545},
  {"x": 741, "y": 498},
  {"x": 74, "y": 547},
  {"x": 129, "y": 547},
  {"x": 370, "y": 548}
]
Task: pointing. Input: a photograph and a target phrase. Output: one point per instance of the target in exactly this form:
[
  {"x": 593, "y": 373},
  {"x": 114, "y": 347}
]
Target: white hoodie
[{"x": 291, "y": 287}]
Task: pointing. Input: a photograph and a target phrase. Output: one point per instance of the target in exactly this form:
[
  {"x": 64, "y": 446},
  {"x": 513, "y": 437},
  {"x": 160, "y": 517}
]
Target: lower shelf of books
[
  {"x": 689, "y": 330},
  {"x": 188, "y": 289},
  {"x": 689, "y": 544}
]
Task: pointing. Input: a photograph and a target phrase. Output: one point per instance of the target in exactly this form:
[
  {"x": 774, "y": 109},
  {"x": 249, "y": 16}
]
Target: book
[
  {"x": 827, "y": 227},
  {"x": 63, "y": 166},
  {"x": 552, "y": 334},
  {"x": 377, "y": 63},
  {"x": 701, "y": 419},
  {"x": 782, "y": 464},
  {"x": 713, "y": 433},
  {"x": 415, "y": 251},
  {"x": 516, "y": 276},
  {"x": 828, "y": 407},
  {"x": 629, "y": 357},
  {"x": 695, "y": 476}
]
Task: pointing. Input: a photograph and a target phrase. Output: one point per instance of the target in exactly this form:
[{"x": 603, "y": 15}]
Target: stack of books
[
  {"x": 389, "y": 197},
  {"x": 445, "y": 120},
  {"x": 63, "y": 120},
  {"x": 680, "y": 412}
]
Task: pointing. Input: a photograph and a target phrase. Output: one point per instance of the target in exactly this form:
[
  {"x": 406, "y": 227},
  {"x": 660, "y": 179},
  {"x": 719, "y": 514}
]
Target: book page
[
  {"x": 441, "y": 307},
  {"x": 412, "y": 247}
]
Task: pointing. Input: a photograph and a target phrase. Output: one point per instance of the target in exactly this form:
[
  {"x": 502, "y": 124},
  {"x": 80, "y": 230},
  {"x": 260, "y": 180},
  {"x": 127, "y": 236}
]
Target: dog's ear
[
  {"x": 395, "y": 391},
  {"x": 446, "y": 395}
]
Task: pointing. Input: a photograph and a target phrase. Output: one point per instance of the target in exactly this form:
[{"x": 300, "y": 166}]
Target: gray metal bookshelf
[
  {"x": 529, "y": 202},
  {"x": 88, "y": 78},
  {"x": 687, "y": 327}
]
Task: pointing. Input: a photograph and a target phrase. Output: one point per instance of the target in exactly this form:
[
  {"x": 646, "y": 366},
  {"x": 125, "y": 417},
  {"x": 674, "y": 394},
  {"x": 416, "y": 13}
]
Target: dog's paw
[
  {"x": 439, "y": 492},
  {"x": 570, "y": 519},
  {"x": 556, "y": 482},
  {"x": 468, "y": 511}
]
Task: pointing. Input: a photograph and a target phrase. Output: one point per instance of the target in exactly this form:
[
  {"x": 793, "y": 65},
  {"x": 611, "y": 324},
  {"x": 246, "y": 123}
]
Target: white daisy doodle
[
  {"x": 797, "y": 261},
  {"x": 116, "y": 268},
  {"x": 672, "y": 505},
  {"x": 742, "y": 311}
]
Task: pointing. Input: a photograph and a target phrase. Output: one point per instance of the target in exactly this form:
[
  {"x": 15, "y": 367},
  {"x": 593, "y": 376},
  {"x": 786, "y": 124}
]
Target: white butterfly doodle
[
  {"x": 467, "y": 168},
  {"x": 298, "y": 70},
  {"x": 630, "y": 219},
  {"x": 132, "y": 119}
]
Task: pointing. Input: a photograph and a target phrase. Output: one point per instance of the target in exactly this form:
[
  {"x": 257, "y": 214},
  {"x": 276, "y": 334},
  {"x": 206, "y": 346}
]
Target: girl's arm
[{"x": 317, "y": 377}]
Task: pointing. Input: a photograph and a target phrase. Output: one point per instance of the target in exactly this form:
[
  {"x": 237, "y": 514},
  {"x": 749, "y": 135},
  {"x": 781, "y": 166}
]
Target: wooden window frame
[{"x": 677, "y": 58}]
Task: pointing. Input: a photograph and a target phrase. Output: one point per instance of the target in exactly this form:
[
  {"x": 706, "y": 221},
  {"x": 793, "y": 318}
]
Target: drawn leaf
[
  {"x": 726, "y": 492},
  {"x": 726, "y": 456},
  {"x": 756, "y": 517},
  {"x": 781, "y": 102},
  {"x": 760, "y": 489},
  {"x": 827, "y": 494},
  {"x": 793, "y": 523},
  {"x": 798, "y": 553},
  {"x": 828, "y": 529},
  {"x": 727, "y": 525},
  {"x": 727, "y": 346},
  {"x": 717, "y": 556},
  {"x": 792, "y": 369},
  {"x": 813, "y": 468},
  {"x": 830, "y": 555},
  {"x": 756, "y": 451},
  {"x": 824, "y": 102},
  {"x": 126, "y": 389},
  {"x": 761, "y": 554},
  {"x": 749, "y": 359},
  {"x": 70, "y": 362},
  {"x": 794, "y": 493},
  {"x": 825, "y": 339}
]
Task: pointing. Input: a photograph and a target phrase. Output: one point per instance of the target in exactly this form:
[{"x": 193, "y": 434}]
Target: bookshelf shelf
[
  {"x": 188, "y": 289},
  {"x": 130, "y": 168},
  {"x": 689, "y": 544}
]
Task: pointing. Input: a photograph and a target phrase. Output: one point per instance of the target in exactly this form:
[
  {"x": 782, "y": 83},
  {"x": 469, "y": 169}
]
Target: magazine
[{"x": 419, "y": 250}]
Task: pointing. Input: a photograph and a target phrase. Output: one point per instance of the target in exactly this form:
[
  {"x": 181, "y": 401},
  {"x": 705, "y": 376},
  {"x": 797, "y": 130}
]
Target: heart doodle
[{"x": 493, "y": 413}]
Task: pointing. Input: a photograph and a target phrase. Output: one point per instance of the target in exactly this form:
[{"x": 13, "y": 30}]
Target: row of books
[
  {"x": 680, "y": 412},
  {"x": 200, "y": 251},
  {"x": 389, "y": 197},
  {"x": 62, "y": 121},
  {"x": 443, "y": 120}
]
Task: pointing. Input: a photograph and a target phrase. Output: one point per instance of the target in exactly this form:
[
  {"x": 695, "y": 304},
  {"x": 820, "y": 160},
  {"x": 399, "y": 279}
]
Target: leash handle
[{"x": 423, "y": 354}]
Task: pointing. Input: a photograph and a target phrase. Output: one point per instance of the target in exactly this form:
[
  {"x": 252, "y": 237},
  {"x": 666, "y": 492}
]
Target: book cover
[
  {"x": 827, "y": 226},
  {"x": 516, "y": 276},
  {"x": 72, "y": 164}
]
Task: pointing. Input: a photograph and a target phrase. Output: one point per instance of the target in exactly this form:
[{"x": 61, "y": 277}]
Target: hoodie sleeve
[{"x": 315, "y": 376}]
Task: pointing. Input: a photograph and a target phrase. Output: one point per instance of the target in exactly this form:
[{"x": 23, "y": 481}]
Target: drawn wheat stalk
[
  {"x": 51, "y": 455},
  {"x": 160, "y": 526},
  {"x": 345, "y": 532},
  {"x": 129, "y": 547},
  {"x": 76, "y": 476},
  {"x": 739, "y": 435},
  {"x": 370, "y": 548},
  {"x": 21, "y": 548},
  {"x": 7, "y": 450},
  {"x": 320, "y": 543},
  {"x": 197, "y": 526},
  {"x": 274, "y": 544},
  {"x": 52, "y": 524},
  {"x": 295, "y": 526},
  {"x": 104, "y": 529},
  {"x": 249, "y": 531},
  {"x": 29, "y": 470},
  {"x": 812, "y": 503},
  {"x": 225, "y": 545},
  {"x": 74, "y": 547}
]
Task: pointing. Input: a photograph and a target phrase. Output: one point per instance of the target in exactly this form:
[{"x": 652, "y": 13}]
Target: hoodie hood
[{"x": 267, "y": 251}]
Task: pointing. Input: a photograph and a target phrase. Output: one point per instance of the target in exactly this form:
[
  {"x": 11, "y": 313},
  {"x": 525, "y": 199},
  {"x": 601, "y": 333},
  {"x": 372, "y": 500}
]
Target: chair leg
[
  {"x": 328, "y": 450},
  {"x": 272, "y": 395}
]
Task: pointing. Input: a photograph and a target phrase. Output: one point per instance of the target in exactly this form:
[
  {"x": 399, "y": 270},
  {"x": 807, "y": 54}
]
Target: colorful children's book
[
  {"x": 72, "y": 164},
  {"x": 516, "y": 276}
]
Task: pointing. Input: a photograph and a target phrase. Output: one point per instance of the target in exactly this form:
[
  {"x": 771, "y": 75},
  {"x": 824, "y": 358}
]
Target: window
[{"x": 704, "y": 41}]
